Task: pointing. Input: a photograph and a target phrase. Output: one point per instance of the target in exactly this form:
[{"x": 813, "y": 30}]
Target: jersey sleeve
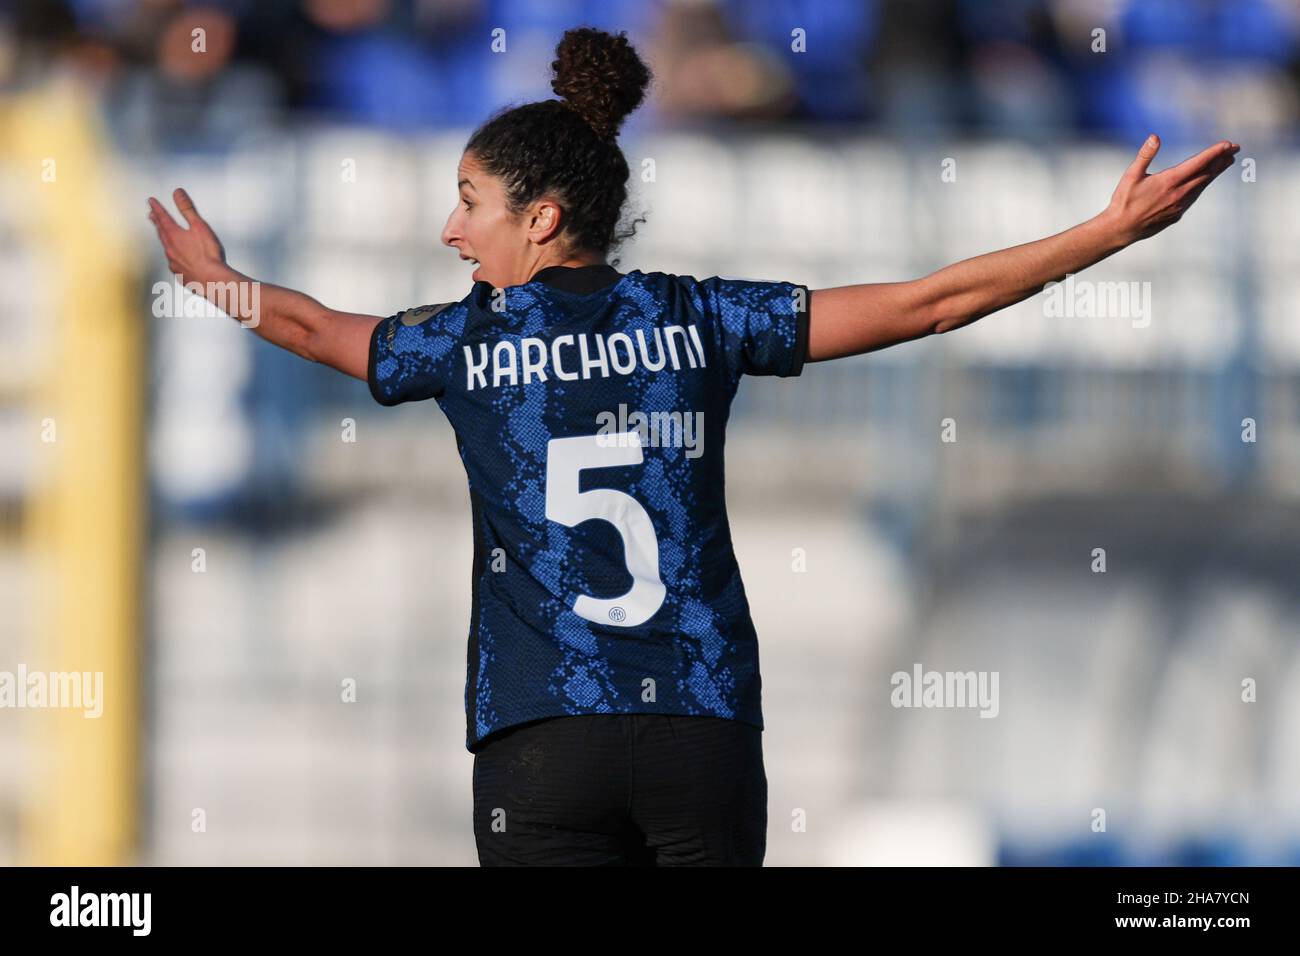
[
  {"x": 760, "y": 328},
  {"x": 410, "y": 355}
]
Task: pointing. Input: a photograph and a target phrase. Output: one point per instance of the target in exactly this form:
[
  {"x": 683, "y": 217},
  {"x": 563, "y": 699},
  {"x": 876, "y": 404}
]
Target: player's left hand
[{"x": 192, "y": 253}]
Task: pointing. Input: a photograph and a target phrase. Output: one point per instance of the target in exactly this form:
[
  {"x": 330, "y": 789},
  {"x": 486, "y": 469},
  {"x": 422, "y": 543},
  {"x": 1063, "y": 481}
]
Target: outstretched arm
[
  {"x": 853, "y": 319},
  {"x": 286, "y": 318}
]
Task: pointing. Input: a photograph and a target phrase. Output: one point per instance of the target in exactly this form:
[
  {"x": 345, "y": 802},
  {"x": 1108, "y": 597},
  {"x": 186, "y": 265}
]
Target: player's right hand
[
  {"x": 1144, "y": 204},
  {"x": 192, "y": 253}
]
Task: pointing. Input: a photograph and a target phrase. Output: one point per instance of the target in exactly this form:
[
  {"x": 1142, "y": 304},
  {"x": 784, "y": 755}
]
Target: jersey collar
[{"x": 582, "y": 280}]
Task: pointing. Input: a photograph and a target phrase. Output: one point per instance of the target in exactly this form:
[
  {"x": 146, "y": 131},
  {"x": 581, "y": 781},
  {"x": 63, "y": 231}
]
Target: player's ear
[{"x": 546, "y": 219}]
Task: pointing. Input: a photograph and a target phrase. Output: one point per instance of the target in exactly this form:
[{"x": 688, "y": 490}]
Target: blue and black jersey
[{"x": 590, "y": 408}]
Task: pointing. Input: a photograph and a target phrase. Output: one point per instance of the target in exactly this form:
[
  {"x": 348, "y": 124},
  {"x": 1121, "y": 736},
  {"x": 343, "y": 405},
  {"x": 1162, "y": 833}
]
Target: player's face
[{"x": 481, "y": 227}]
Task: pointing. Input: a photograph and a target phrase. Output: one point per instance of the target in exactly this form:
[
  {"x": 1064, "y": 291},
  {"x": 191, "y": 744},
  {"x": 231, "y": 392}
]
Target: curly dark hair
[{"x": 567, "y": 148}]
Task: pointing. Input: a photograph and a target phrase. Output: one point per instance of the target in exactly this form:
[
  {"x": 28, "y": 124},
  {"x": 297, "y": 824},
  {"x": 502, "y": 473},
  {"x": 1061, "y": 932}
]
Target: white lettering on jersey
[
  {"x": 473, "y": 371},
  {"x": 598, "y": 355},
  {"x": 672, "y": 347},
  {"x": 589, "y": 363},
  {"x": 616, "y": 339},
  {"x": 501, "y": 369},
  {"x": 659, "y": 351},
  {"x": 555, "y": 359},
  {"x": 538, "y": 364}
]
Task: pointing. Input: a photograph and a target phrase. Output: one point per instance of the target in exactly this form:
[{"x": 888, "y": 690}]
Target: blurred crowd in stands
[{"x": 179, "y": 75}]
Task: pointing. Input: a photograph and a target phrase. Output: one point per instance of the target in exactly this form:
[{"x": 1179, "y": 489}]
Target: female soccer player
[{"x": 613, "y": 693}]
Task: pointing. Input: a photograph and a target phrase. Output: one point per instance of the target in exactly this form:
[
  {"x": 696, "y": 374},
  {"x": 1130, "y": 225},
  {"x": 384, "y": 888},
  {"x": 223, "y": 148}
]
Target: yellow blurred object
[{"x": 83, "y": 517}]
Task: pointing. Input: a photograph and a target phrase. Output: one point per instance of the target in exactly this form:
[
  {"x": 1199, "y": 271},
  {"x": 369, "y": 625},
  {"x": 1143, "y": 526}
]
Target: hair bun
[{"x": 599, "y": 76}]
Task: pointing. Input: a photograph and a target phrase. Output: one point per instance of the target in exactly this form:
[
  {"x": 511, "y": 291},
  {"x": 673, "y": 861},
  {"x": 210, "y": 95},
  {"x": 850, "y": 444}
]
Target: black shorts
[{"x": 622, "y": 790}]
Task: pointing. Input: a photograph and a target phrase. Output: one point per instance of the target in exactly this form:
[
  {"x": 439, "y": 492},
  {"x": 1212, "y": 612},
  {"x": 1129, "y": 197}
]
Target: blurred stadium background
[{"x": 223, "y": 737}]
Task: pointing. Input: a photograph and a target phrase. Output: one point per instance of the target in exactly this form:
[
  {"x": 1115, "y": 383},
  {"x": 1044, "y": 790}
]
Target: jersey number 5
[{"x": 565, "y": 460}]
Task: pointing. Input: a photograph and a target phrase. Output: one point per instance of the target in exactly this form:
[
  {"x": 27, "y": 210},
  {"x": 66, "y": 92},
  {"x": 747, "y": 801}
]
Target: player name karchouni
[{"x": 570, "y": 357}]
